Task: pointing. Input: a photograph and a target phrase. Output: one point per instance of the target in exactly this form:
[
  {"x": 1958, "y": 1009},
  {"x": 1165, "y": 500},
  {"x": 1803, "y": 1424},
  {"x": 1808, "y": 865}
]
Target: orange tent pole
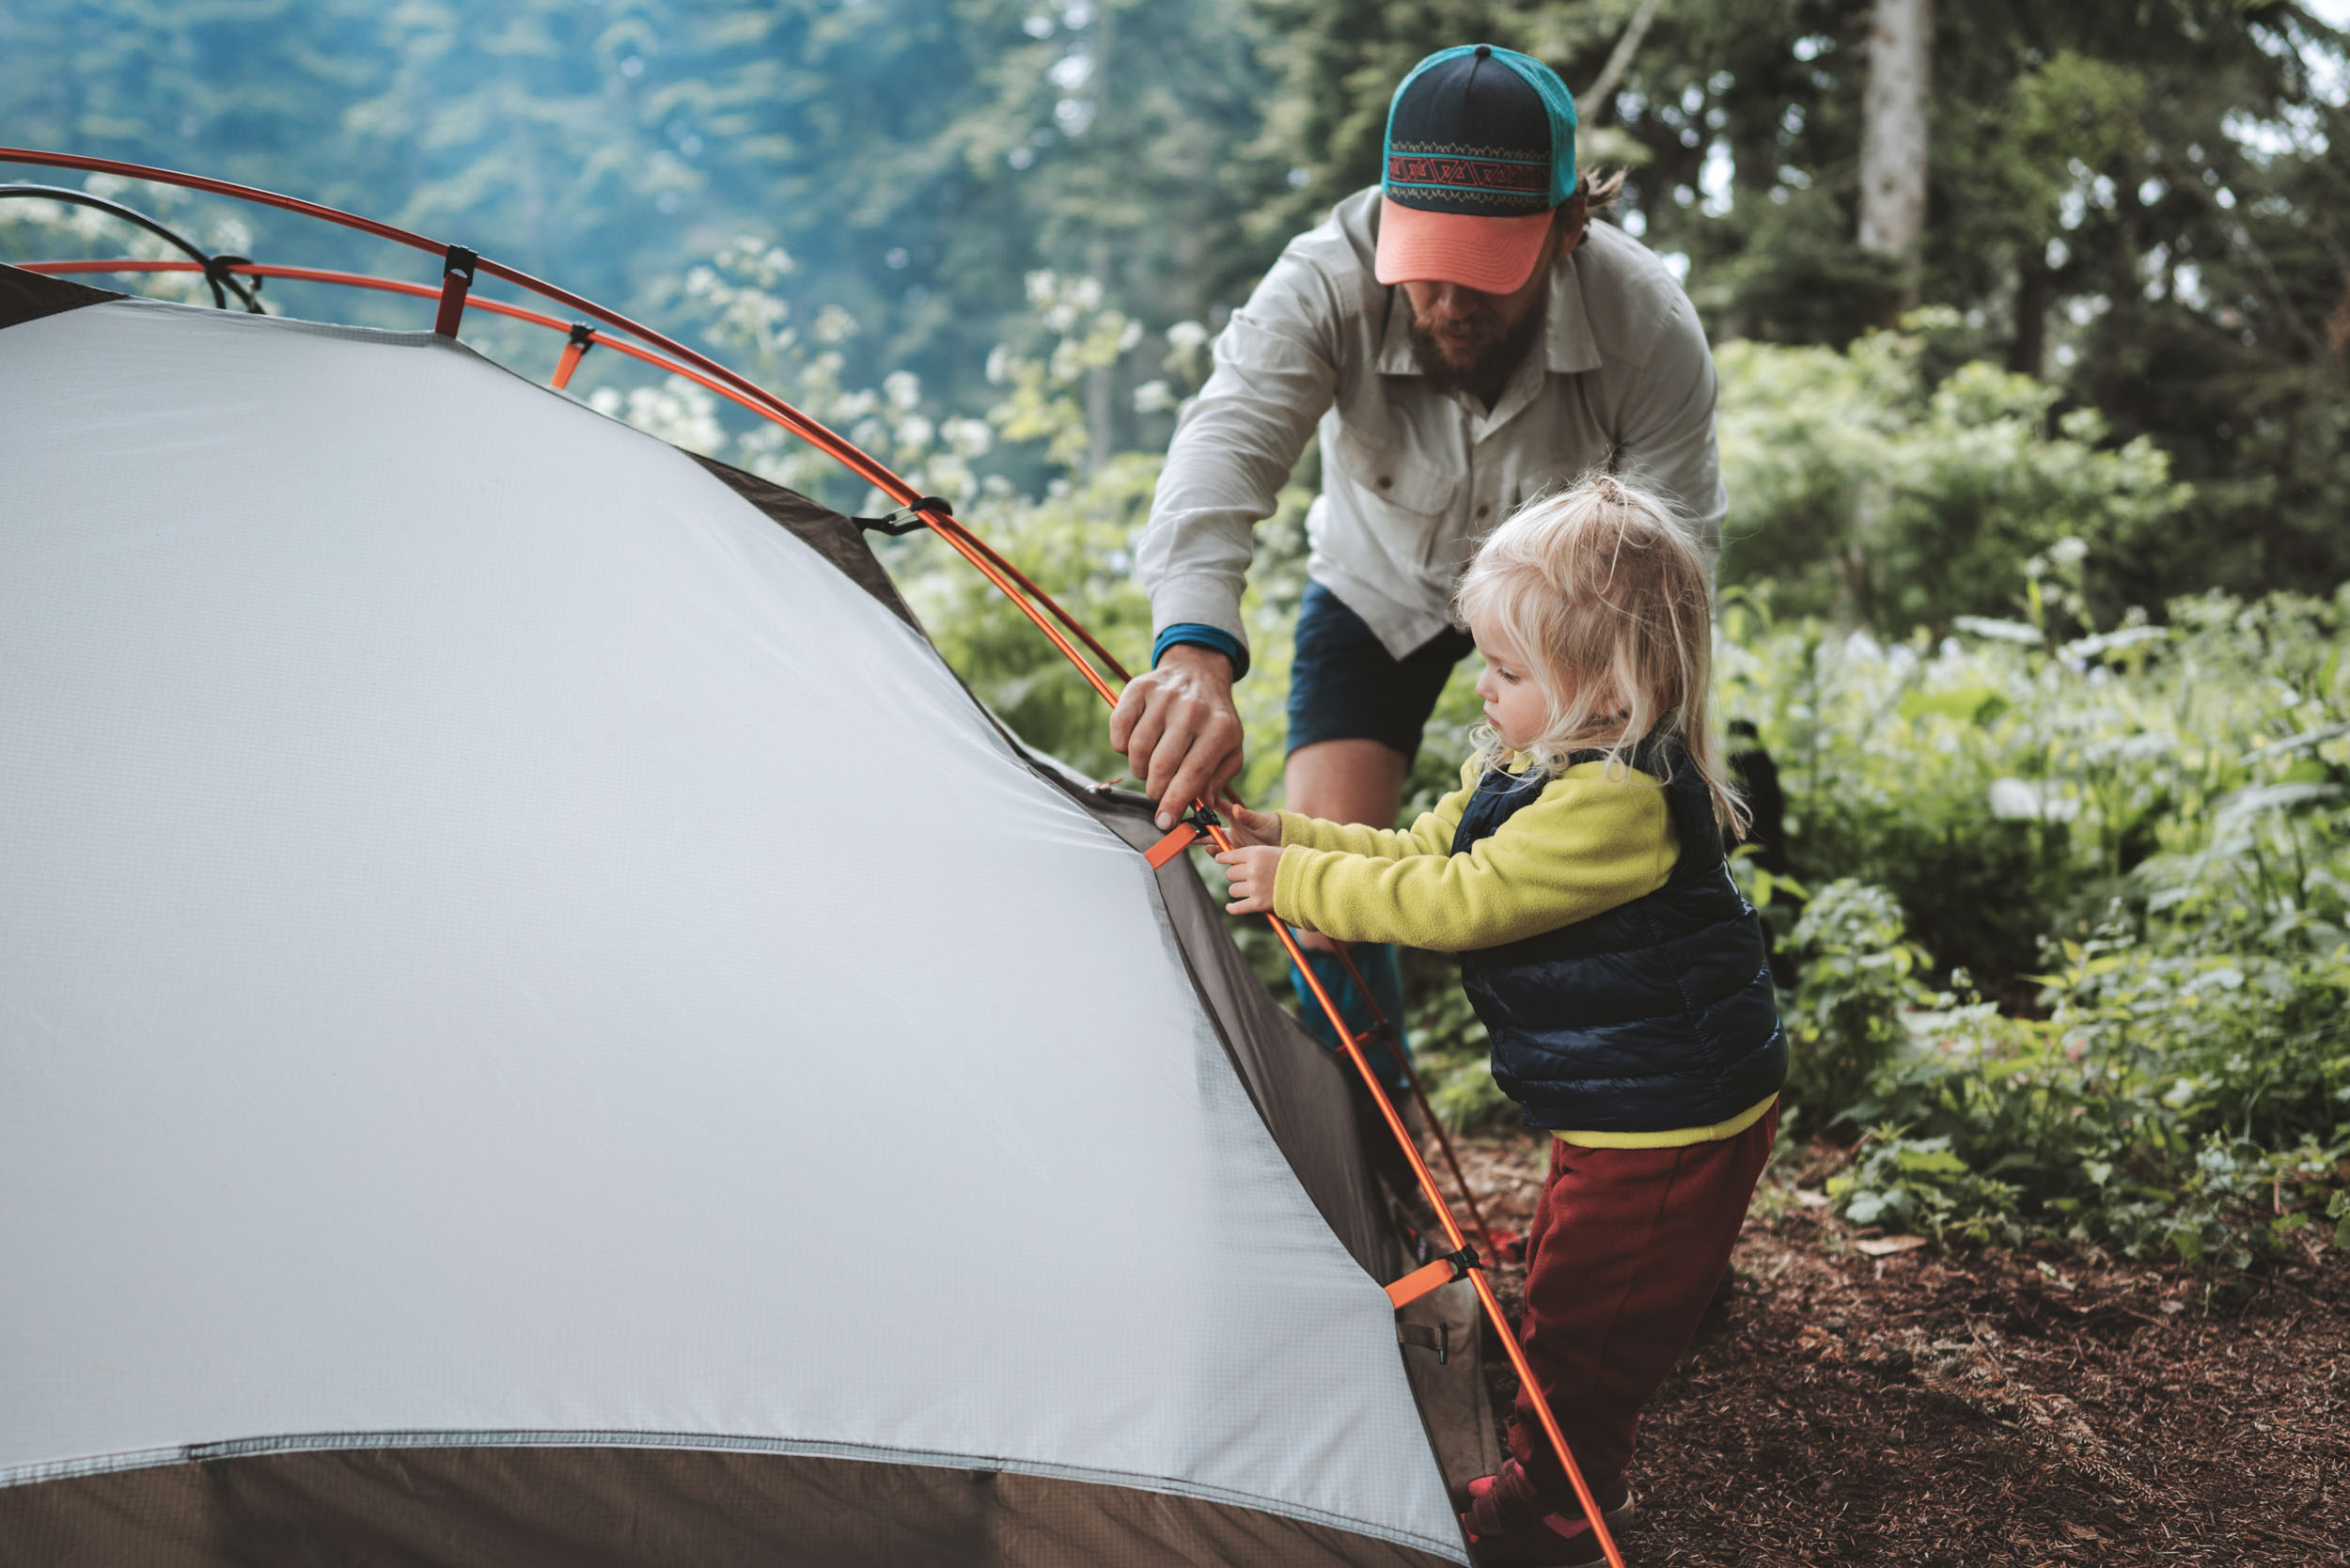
[{"x": 1380, "y": 1020}]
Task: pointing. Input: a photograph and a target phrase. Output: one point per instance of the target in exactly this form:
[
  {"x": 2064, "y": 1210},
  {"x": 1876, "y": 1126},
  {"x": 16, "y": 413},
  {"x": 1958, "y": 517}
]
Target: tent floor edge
[{"x": 499, "y": 1506}]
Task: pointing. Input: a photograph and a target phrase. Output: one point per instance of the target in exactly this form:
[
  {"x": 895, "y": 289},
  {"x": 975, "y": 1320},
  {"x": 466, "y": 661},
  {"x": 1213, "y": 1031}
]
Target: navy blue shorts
[{"x": 1344, "y": 685}]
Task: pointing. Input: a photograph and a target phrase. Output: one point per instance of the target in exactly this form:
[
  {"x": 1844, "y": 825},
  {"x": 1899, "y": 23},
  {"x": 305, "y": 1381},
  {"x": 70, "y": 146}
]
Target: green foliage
[
  {"x": 2161, "y": 814},
  {"x": 1449, "y": 1046},
  {"x": 918, "y": 157},
  {"x": 2122, "y": 1117},
  {"x": 2005, "y": 791},
  {"x": 1863, "y": 490},
  {"x": 1858, "y": 975},
  {"x": 1918, "y": 1184}
]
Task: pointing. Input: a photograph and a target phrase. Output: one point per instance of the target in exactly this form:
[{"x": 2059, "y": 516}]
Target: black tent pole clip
[
  {"x": 908, "y": 518},
  {"x": 575, "y": 349},
  {"x": 456, "y": 280},
  {"x": 219, "y": 272}
]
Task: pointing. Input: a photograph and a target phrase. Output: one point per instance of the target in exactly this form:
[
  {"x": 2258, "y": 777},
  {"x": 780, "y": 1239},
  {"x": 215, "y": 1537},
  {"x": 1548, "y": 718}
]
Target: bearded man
[{"x": 1466, "y": 338}]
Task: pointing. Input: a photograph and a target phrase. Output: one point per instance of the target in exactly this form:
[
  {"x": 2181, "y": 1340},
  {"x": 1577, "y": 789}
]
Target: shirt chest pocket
[{"x": 1404, "y": 496}]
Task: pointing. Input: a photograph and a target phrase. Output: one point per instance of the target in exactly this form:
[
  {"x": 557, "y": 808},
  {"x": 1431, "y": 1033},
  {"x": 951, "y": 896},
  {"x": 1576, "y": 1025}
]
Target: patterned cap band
[{"x": 1438, "y": 176}]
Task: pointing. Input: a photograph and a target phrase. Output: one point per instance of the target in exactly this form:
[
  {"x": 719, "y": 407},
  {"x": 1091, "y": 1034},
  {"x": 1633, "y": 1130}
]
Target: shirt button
[
  {"x": 1482, "y": 511},
  {"x": 1386, "y": 481}
]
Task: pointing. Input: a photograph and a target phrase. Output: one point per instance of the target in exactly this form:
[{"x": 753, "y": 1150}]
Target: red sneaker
[{"x": 1510, "y": 1525}]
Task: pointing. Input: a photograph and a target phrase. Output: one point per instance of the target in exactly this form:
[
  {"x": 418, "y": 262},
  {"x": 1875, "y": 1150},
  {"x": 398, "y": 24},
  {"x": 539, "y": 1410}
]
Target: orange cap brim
[{"x": 1495, "y": 256}]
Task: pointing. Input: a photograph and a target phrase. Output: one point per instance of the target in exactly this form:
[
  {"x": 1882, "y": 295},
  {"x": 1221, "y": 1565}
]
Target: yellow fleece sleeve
[
  {"x": 1587, "y": 843},
  {"x": 1430, "y": 835}
]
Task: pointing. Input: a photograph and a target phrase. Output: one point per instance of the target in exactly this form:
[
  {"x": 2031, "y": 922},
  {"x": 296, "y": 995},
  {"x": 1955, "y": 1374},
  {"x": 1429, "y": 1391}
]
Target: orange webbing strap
[
  {"x": 1172, "y": 845},
  {"x": 582, "y": 338},
  {"x": 456, "y": 281},
  {"x": 1432, "y": 1276}
]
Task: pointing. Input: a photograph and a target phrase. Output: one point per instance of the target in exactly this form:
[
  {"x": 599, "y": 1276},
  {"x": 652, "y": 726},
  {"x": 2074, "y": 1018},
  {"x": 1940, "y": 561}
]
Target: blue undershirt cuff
[{"x": 1201, "y": 635}]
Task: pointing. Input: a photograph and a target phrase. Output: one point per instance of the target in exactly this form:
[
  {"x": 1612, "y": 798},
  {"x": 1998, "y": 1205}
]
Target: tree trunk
[
  {"x": 2036, "y": 292},
  {"x": 1595, "y": 105},
  {"x": 1101, "y": 383},
  {"x": 1893, "y": 126}
]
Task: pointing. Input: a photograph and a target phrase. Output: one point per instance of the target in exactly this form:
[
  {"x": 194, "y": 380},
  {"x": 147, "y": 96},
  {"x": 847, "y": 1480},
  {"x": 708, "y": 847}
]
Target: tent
[{"x": 540, "y": 1024}]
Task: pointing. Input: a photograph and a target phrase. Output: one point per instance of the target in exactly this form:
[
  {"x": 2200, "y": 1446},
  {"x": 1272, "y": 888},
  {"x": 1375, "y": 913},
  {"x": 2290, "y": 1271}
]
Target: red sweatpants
[{"x": 1626, "y": 1249}]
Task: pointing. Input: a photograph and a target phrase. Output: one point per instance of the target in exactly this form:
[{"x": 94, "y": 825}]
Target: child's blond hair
[{"x": 1607, "y": 600}]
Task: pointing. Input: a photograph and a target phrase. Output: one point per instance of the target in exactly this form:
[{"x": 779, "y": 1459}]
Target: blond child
[{"x": 1579, "y": 873}]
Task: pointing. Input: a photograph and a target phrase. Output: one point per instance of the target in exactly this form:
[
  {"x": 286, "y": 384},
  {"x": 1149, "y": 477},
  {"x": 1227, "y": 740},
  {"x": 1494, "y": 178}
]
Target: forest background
[{"x": 2037, "y": 541}]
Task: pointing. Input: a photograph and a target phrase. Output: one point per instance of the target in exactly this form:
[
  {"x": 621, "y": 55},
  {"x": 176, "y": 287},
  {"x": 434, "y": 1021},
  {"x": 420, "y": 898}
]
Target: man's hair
[
  {"x": 1597, "y": 192},
  {"x": 1602, "y": 597}
]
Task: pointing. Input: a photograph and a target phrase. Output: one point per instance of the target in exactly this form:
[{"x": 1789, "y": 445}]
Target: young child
[{"x": 1579, "y": 873}]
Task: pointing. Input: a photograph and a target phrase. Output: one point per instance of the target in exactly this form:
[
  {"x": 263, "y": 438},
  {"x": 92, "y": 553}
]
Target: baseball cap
[{"x": 1480, "y": 146}]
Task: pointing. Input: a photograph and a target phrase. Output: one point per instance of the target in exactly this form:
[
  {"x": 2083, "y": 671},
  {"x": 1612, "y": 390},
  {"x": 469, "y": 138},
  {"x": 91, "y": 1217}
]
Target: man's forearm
[{"x": 1193, "y": 557}]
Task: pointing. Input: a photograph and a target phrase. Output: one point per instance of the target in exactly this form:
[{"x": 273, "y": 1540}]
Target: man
[{"x": 1466, "y": 338}]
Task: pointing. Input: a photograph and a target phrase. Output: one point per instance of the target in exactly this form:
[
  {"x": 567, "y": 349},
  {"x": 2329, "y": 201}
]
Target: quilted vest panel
[{"x": 1652, "y": 1015}]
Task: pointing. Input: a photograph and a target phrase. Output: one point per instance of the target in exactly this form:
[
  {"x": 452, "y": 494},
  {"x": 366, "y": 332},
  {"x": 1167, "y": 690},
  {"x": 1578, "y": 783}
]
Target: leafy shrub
[
  {"x": 1864, "y": 485},
  {"x": 1918, "y": 1184},
  {"x": 2132, "y": 1116},
  {"x": 2136, "y": 845},
  {"x": 1843, "y": 1021}
]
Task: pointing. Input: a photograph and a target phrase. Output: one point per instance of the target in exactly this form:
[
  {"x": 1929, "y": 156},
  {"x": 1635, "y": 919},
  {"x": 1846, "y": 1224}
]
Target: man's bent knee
[{"x": 1347, "y": 782}]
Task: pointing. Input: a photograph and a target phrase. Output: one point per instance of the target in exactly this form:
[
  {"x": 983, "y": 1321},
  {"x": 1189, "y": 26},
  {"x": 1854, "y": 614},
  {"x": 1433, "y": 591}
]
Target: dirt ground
[{"x": 1985, "y": 1408}]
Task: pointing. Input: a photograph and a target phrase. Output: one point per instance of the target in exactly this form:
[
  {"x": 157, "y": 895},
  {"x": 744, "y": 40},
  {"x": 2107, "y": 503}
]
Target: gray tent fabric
[
  {"x": 527, "y": 987},
  {"x": 830, "y": 534},
  {"x": 1302, "y": 1092},
  {"x": 1298, "y": 1088}
]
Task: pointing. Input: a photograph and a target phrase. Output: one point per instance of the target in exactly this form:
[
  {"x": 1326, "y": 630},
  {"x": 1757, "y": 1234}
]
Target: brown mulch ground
[{"x": 1983, "y": 1408}]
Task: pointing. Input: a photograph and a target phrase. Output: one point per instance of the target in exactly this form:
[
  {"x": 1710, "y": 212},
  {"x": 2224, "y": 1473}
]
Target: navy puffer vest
[{"x": 1654, "y": 1015}]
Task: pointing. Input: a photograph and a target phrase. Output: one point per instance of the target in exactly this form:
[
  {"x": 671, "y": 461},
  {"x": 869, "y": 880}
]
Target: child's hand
[
  {"x": 1250, "y": 872},
  {"x": 1251, "y": 827}
]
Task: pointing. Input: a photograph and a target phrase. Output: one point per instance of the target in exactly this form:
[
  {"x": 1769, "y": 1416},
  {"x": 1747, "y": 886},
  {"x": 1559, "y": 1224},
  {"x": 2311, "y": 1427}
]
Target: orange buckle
[
  {"x": 1432, "y": 1276},
  {"x": 1172, "y": 845},
  {"x": 1186, "y": 833}
]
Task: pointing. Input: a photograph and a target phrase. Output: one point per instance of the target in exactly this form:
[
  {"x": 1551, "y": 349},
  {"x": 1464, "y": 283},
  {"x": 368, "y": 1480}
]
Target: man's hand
[
  {"x": 1178, "y": 729},
  {"x": 1250, "y": 874}
]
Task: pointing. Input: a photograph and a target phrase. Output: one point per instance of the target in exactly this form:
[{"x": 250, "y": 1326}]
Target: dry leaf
[
  {"x": 1885, "y": 1246},
  {"x": 1811, "y": 1199}
]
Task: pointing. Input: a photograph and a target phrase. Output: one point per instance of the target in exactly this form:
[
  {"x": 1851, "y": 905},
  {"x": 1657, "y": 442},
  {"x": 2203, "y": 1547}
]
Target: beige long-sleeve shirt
[{"x": 1413, "y": 477}]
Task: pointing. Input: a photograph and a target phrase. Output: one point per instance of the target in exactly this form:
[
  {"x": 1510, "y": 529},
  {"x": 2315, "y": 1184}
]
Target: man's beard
[{"x": 1491, "y": 365}]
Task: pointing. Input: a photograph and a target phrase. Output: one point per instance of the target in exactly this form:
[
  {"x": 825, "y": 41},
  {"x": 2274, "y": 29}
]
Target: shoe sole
[
  {"x": 1587, "y": 1548},
  {"x": 1614, "y": 1518}
]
